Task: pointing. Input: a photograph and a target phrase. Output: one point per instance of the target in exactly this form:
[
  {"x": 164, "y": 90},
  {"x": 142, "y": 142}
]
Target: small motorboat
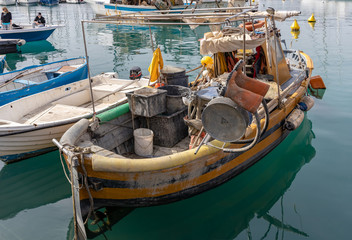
[
  {"x": 7, "y": 2},
  {"x": 28, "y": 125},
  {"x": 27, "y": 2},
  {"x": 28, "y": 33},
  {"x": 11, "y": 45},
  {"x": 33, "y": 79}
]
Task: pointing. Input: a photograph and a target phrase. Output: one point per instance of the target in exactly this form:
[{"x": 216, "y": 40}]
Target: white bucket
[{"x": 143, "y": 142}]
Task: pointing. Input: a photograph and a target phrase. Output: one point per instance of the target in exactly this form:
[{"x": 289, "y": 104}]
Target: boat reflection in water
[
  {"x": 31, "y": 184},
  {"x": 38, "y": 49},
  {"x": 228, "y": 209}
]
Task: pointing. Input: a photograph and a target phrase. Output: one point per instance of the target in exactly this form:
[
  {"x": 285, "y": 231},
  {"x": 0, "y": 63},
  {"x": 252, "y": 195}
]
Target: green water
[{"x": 301, "y": 190}]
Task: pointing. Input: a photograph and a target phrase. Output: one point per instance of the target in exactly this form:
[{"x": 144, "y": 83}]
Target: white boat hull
[
  {"x": 75, "y": 1},
  {"x": 7, "y": 2},
  {"x": 30, "y": 123},
  {"x": 27, "y": 2}
]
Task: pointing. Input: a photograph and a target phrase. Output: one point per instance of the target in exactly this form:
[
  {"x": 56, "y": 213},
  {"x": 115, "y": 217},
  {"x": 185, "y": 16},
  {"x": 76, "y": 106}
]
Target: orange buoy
[
  {"x": 157, "y": 85},
  {"x": 249, "y": 25},
  {"x": 317, "y": 82}
]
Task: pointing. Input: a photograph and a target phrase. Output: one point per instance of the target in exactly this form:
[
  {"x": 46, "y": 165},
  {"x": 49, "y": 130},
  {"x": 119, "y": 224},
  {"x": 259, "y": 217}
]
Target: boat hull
[
  {"x": 49, "y": 2},
  {"x": 28, "y": 144},
  {"x": 10, "y": 45},
  {"x": 27, "y": 2},
  {"x": 29, "y": 34},
  {"x": 102, "y": 8},
  {"x": 156, "y": 182},
  {"x": 7, "y": 2}
]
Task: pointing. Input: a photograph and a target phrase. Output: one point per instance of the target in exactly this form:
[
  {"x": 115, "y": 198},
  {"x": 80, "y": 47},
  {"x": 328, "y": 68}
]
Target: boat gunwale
[{"x": 128, "y": 165}]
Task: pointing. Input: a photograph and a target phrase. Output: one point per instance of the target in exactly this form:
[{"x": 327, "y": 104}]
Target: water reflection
[
  {"x": 179, "y": 46},
  {"x": 30, "y": 184},
  {"x": 226, "y": 212},
  {"x": 37, "y": 52}
]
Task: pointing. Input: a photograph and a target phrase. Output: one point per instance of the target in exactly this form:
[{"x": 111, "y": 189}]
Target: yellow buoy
[
  {"x": 295, "y": 26},
  {"x": 295, "y": 34},
  {"x": 207, "y": 62},
  {"x": 311, "y": 19}
]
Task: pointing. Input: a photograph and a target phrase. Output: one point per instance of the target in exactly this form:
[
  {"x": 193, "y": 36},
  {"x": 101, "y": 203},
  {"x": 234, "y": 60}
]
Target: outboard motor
[{"x": 135, "y": 73}]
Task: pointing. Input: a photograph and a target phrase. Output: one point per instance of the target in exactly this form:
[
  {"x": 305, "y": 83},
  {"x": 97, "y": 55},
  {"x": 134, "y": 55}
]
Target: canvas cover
[{"x": 214, "y": 43}]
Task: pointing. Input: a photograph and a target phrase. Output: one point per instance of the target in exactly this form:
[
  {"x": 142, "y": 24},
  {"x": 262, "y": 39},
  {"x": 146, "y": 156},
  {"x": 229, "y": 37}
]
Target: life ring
[{"x": 249, "y": 25}]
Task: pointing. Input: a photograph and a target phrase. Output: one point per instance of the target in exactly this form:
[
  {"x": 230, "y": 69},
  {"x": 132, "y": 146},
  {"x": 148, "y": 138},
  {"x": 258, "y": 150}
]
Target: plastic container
[
  {"x": 169, "y": 129},
  {"x": 143, "y": 142},
  {"x": 147, "y": 102},
  {"x": 174, "y": 95}
]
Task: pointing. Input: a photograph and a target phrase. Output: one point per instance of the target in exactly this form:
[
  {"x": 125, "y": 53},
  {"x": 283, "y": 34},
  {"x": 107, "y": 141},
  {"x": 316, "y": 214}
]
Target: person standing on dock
[
  {"x": 39, "y": 21},
  {"x": 6, "y": 19}
]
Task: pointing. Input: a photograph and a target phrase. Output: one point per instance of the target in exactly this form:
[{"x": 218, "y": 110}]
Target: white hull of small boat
[
  {"x": 75, "y": 1},
  {"x": 29, "y": 124},
  {"x": 7, "y": 2},
  {"x": 27, "y": 2}
]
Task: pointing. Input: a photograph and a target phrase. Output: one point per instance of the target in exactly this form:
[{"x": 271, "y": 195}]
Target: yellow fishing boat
[{"x": 249, "y": 95}]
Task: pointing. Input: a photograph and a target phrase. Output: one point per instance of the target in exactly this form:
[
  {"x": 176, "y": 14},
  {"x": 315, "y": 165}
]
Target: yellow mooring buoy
[
  {"x": 311, "y": 19},
  {"x": 295, "y": 26}
]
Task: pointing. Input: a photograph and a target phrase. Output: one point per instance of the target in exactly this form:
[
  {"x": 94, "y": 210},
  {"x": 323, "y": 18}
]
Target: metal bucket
[{"x": 224, "y": 120}]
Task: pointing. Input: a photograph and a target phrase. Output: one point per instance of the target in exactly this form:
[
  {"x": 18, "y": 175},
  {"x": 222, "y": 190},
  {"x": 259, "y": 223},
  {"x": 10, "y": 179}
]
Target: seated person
[{"x": 39, "y": 21}]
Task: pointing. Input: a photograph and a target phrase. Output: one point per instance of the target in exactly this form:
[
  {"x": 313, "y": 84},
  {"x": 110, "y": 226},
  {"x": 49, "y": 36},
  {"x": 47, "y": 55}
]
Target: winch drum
[{"x": 224, "y": 120}]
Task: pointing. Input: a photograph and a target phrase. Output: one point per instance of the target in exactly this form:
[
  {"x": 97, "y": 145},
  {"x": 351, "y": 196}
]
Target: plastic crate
[
  {"x": 169, "y": 129},
  {"x": 147, "y": 102}
]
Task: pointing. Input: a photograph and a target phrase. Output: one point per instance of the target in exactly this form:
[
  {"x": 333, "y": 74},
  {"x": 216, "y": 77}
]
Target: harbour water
[{"x": 301, "y": 190}]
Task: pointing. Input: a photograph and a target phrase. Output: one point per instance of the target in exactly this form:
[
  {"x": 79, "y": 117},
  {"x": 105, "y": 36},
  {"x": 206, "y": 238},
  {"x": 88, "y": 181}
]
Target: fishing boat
[
  {"x": 11, "y": 45},
  {"x": 28, "y": 33},
  {"x": 28, "y": 125},
  {"x": 49, "y": 2},
  {"x": 7, "y": 2},
  {"x": 248, "y": 97},
  {"x": 33, "y": 79},
  {"x": 113, "y": 8},
  {"x": 2, "y": 63}
]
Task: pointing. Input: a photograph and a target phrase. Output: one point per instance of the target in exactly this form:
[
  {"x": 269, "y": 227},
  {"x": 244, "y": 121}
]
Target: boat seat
[
  {"x": 64, "y": 69},
  {"x": 104, "y": 90},
  {"x": 25, "y": 82},
  {"x": 58, "y": 112}
]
